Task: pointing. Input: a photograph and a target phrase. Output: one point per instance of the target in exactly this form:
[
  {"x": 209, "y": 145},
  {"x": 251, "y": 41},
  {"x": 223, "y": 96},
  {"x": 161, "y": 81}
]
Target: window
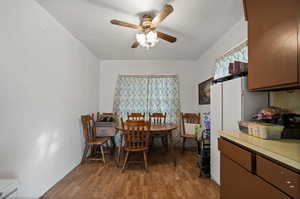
[
  {"x": 147, "y": 94},
  {"x": 239, "y": 53}
]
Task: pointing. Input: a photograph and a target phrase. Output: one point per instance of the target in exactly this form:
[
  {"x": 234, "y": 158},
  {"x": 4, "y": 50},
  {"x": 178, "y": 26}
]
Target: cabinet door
[
  {"x": 273, "y": 43},
  {"x": 285, "y": 179},
  {"x": 238, "y": 183}
]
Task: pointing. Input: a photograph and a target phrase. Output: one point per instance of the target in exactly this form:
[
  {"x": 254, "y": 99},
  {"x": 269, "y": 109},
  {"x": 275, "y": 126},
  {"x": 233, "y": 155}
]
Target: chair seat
[
  {"x": 98, "y": 141},
  {"x": 188, "y": 136},
  {"x": 160, "y": 134},
  {"x": 136, "y": 150}
]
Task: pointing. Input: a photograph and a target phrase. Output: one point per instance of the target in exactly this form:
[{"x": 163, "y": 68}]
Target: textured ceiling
[{"x": 197, "y": 24}]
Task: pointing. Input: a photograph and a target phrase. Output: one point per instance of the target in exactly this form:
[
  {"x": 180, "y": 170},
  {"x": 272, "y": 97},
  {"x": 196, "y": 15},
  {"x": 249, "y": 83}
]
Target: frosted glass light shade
[{"x": 147, "y": 40}]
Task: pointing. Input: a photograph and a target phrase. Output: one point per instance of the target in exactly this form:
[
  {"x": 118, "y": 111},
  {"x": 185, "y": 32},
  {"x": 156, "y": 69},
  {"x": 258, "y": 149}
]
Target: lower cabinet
[
  {"x": 283, "y": 178},
  {"x": 238, "y": 183},
  {"x": 245, "y": 176}
]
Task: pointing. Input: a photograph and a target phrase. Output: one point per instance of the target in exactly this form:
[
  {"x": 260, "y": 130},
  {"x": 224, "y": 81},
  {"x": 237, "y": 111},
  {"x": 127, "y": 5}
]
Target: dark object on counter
[
  {"x": 291, "y": 121},
  {"x": 243, "y": 126},
  {"x": 268, "y": 115}
]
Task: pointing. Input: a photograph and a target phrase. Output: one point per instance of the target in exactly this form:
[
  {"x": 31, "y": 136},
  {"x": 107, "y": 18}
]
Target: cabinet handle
[
  {"x": 292, "y": 186},
  {"x": 288, "y": 182}
]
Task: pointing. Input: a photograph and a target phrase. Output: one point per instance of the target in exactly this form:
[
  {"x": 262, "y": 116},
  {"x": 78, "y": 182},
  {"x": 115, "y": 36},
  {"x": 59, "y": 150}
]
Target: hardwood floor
[{"x": 163, "y": 180}]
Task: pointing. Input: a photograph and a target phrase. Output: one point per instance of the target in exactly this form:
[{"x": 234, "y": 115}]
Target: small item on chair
[
  {"x": 109, "y": 119},
  {"x": 192, "y": 129},
  {"x": 197, "y": 131},
  {"x": 106, "y": 119}
]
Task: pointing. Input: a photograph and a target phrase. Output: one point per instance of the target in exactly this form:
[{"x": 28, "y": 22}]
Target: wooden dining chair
[
  {"x": 136, "y": 136},
  {"x": 188, "y": 118},
  {"x": 136, "y": 116},
  {"x": 92, "y": 142},
  {"x": 159, "y": 118}
]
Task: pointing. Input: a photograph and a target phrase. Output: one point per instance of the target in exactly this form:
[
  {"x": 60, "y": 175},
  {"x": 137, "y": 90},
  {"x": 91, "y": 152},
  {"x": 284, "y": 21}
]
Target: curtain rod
[{"x": 234, "y": 49}]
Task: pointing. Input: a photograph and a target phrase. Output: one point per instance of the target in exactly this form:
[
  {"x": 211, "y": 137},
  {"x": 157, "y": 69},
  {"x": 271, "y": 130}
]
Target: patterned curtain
[
  {"x": 130, "y": 95},
  {"x": 147, "y": 94},
  {"x": 164, "y": 96}
]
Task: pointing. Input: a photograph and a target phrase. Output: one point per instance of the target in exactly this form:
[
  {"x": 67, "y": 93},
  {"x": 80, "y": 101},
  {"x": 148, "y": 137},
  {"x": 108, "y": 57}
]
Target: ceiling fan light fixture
[
  {"x": 147, "y": 40},
  {"x": 147, "y": 37}
]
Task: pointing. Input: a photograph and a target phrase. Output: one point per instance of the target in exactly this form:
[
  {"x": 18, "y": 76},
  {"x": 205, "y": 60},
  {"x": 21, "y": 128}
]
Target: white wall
[
  {"x": 110, "y": 69},
  {"x": 236, "y": 35},
  {"x": 207, "y": 61},
  {"x": 47, "y": 80}
]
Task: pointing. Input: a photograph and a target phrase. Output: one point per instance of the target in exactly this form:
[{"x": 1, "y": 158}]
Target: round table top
[{"x": 158, "y": 127}]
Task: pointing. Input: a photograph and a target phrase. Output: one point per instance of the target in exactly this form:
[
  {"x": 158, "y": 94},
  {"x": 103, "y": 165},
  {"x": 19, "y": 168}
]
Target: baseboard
[
  {"x": 215, "y": 183},
  {"x": 41, "y": 197}
]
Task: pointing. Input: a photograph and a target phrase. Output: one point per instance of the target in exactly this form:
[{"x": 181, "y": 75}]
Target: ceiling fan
[{"x": 148, "y": 36}]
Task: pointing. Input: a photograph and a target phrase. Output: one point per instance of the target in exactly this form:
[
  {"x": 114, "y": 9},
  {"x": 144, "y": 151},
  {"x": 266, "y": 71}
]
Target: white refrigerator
[{"x": 231, "y": 102}]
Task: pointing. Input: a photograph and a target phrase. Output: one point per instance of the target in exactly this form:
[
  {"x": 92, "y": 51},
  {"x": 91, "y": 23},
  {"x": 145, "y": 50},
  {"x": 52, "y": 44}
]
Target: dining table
[{"x": 166, "y": 129}]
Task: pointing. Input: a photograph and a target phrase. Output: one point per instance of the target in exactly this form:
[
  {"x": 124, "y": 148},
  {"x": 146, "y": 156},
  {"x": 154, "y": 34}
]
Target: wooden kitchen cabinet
[
  {"x": 246, "y": 174},
  {"x": 238, "y": 183},
  {"x": 273, "y": 39},
  {"x": 240, "y": 156},
  {"x": 285, "y": 179}
]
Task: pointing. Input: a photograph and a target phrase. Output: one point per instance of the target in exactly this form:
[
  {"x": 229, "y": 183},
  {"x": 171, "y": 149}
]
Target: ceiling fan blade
[
  {"x": 135, "y": 44},
  {"x": 166, "y": 37},
  {"x": 125, "y": 24},
  {"x": 167, "y": 9}
]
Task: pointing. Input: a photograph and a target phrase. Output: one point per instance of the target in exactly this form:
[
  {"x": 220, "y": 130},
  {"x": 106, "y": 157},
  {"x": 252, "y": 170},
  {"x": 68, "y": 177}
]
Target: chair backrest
[
  {"x": 136, "y": 134},
  {"x": 98, "y": 116},
  {"x": 157, "y": 118},
  {"x": 88, "y": 125},
  {"x": 136, "y": 116},
  {"x": 191, "y": 118}
]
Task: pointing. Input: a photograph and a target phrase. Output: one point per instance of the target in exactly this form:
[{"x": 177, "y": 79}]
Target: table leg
[
  {"x": 172, "y": 148},
  {"x": 113, "y": 143},
  {"x": 198, "y": 146},
  {"x": 120, "y": 150},
  {"x": 166, "y": 143}
]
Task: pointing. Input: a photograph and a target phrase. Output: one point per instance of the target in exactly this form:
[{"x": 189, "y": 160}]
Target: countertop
[{"x": 286, "y": 151}]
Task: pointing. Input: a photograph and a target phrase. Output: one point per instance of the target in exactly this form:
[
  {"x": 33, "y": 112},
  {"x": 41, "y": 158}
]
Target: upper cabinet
[{"x": 273, "y": 39}]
